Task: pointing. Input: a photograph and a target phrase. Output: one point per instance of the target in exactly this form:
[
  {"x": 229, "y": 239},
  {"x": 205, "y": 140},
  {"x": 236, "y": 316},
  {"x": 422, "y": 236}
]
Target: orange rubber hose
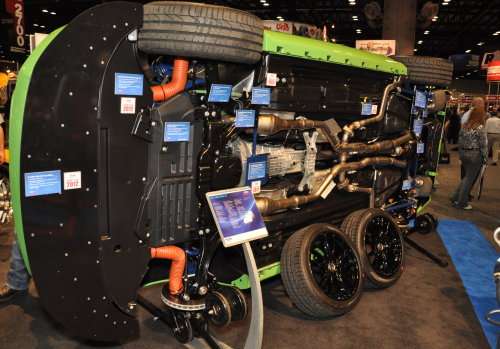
[
  {"x": 177, "y": 84},
  {"x": 178, "y": 258}
]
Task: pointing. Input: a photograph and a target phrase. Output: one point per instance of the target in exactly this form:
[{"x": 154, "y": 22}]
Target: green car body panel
[
  {"x": 317, "y": 50},
  {"x": 15, "y": 137}
]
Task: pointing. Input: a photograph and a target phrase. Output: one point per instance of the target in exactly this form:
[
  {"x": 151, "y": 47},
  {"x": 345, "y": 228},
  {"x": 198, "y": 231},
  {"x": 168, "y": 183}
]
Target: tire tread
[{"x": 201, "y": 31}]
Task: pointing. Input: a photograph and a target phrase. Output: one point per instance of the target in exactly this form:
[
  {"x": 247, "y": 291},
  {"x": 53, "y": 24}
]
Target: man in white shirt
[{"x": 493, "y": 130}]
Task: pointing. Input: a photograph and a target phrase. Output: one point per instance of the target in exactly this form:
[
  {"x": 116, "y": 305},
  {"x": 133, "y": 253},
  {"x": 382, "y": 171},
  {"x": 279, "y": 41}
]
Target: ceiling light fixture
[
  {"x": 35, "y": 25},
  {"x": 265, "y": 4},
  {"x": 45, "y": 11},
  {"x": 42, "y": 26},
  {"x": 496, "y": 33},
  {"x": 435, "y": 18},
  {"x": 333, "y": 26},
  {"x": 467, "y": 51},
  {"x": 480, "y": 43},
  {"x": 445, "y": 3},
  {"x": 354, "y": 18},
  {"x": 420, "y": 42},
  {"x": 53, "y": 13},
  {"x": 426, "y": 32},
  {"x": 415, "y": 49}
]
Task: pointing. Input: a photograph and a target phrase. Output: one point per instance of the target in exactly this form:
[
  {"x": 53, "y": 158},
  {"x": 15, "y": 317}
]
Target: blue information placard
[
  {"x": 220, "y": 93},
  {"x": 245, "y": 118},
  {"x": 366, "y": 109},
  {"x": 177, "y": 132},
  {"x": 129, "y": 84},
  {"x": 420, "y": 99},
  {"x": 261, "y": 96},
  {"x": 236, "y": 215},
  {"x": 420, "y": 148},
  {"x": 407, "y": 184},
  {"x": 418, "y": 125},
  {"x": 42, "y": 183},
  {"x": 257, "y": 168}
]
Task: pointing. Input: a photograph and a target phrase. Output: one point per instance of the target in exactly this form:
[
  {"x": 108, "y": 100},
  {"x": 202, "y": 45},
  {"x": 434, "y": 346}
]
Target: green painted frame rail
[
  {"x": 316, "y": 50},
  {"x": 15, "y": 137}
]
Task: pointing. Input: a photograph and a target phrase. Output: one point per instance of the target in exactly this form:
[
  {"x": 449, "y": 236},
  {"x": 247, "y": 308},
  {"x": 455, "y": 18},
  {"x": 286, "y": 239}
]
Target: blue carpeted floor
[{"x": 474, "y": 258}]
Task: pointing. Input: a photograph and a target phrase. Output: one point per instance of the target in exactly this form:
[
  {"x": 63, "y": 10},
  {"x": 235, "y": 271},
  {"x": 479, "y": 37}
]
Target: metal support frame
[
  {"x": 419, "y": 248},
  {"x": 256, "y": 330}
]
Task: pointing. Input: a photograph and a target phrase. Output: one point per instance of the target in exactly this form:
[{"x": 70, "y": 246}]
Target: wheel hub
[{"x": 332, "y": 267}]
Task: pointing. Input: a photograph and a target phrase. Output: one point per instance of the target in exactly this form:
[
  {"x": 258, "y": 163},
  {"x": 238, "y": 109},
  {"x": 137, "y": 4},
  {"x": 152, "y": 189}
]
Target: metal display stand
[{"x": 256, "y": 331}]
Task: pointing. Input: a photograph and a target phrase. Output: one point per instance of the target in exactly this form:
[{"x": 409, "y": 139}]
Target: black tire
[
  {"x": 193, "y": 30},
  {"x": 355, "y": 227},
  {"x": 302, "y": 284},
  {"x": 428, "y": 70}
]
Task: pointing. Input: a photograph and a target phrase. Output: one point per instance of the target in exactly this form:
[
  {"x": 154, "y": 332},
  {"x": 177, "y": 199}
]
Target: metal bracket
[
  {"x": 142, "y": 125},
  {"x": 309, "y": 160}
]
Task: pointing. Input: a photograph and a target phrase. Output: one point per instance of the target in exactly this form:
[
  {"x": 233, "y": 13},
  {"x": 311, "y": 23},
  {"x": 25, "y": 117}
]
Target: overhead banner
[
  {"x": 381, "y": 47},
  {"x": 15, "y": 8}
]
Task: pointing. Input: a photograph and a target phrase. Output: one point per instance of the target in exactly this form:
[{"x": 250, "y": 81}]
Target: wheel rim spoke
[
  {"x": 334, "y": 266},
  {"x": 383, "y": 246}
]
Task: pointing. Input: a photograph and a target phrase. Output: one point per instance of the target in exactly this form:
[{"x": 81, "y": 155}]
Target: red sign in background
[
  {"x": 16, "y": 9},
  {"x": 493, "y": 71}
]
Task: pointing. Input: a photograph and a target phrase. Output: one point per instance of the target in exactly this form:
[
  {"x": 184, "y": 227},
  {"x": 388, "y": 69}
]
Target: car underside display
[{"x": 159, "y": 105}]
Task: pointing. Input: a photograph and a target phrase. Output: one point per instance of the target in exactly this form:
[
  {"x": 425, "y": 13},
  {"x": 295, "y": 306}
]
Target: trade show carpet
[{"x": 474, "y": 259}]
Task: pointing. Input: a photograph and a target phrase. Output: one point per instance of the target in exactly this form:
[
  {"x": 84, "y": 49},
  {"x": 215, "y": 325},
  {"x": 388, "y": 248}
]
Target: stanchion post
[{"x": 256, "y": 331}]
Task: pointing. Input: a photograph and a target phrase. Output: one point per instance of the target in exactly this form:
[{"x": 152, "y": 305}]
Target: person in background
[
  {"x": 464, "y": 117},
  {"x": 453, "y": 126},
  {"x": 473, "y": 150},
  {"x": 493, "y": 131}
]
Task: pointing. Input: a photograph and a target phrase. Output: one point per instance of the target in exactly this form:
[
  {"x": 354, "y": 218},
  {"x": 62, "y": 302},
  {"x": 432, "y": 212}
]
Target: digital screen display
[{"x": 236, "y": 215}]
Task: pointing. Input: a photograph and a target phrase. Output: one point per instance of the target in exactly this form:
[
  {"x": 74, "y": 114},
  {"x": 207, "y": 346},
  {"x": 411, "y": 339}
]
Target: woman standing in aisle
[{"x": 473, "y": 150}]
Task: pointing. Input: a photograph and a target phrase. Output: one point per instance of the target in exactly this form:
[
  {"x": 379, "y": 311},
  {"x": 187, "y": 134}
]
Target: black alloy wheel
[
  {"x": 380, "y": 243},
  {"x": 321, "y": 271},
  {"x": 334, "y": 266}
]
